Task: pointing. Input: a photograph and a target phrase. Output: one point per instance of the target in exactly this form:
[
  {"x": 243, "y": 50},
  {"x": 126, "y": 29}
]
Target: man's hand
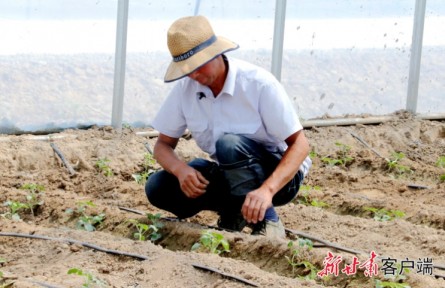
[
  {"x": 257, "y": 201},
  {"x": 256, "y": 204},
  {"x": 191, "y": 181}
]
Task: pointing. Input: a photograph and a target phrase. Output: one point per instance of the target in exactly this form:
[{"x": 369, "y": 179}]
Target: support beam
[
  {"x": 278, "y": 38},
  {"x": 416, "y": 55},
  {"x": 119, "y": 65},
  {"x": 197, "y": 6}
]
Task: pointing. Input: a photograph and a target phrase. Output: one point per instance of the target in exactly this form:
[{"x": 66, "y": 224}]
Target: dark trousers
[{"x": 243, "y": 166}]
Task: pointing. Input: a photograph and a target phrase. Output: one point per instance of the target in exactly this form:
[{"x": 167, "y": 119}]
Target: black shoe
[{"x": 231, "y": 222}]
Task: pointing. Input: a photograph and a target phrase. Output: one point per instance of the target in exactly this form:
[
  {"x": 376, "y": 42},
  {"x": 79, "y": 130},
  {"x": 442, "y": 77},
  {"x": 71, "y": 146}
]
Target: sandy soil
[{"x": 344, "y": 226}]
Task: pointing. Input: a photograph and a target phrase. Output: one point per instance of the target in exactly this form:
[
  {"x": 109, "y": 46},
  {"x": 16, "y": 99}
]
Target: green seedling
[
  {"x": 85, "y": 221},
  {"x": 155, "y": 220},
  {"x": 89, "y": 279},
  {"x": 313, "y": 154},
  {"x": 126, "y": 126},
  {"x": 389, "y": 284},
  {"x": 33, "y": 199},
  {"x": 212, "y": 242},
  {"x": 142, "y": 229},
  {"x": 3, "y": 283},
  {"x": 394, "y": 165},
  {"x": 149, "y": 163},
  {"x": 305, "y": 199},
  {"x": 344, "y": 151},
  {"x": 343, "y": 154},
  {"x": 383, "y": 215},
  {"x": 309, "y": 270},
  {"x": 103, "y": 166},
  {"x": 33, "y": 188},
  {"x": 14, "y": 208},
  {"x": 2, "y": 260},
  {"x": 441, "y": 162},
  {"x": 304, "y": 245},
  {"x": 148, "y": 230}
]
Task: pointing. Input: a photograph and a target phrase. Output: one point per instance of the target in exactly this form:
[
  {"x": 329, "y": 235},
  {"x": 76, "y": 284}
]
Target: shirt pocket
[{"x": 201, "y": 134}]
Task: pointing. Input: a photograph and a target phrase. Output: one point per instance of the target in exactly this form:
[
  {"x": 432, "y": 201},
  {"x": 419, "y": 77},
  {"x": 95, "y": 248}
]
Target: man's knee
[
  {"x": 227, "y": 142},
  {"x": 232, "y": 148}
]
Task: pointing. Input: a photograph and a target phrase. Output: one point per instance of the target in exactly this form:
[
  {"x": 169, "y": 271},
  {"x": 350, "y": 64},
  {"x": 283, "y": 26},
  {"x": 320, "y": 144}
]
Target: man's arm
[
  {"x": 257, "y": 201},
  {"x": 191, "y": 181}
]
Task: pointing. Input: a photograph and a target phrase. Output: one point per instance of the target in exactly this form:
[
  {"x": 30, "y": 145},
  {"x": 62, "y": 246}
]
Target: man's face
[{"x": 206, "y": 74}]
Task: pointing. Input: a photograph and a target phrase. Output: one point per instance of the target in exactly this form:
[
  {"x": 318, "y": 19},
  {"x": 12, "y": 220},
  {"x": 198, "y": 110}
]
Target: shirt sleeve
[
  {"x": 278, "y": 114},
  {"x": 170, "y": 119}
]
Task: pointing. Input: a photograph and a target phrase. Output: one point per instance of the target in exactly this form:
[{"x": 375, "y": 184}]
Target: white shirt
[{"x": 252, "y": 103}]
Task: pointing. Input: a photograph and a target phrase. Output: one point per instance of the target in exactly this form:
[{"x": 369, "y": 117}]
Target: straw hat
[{"x": 192, "y": 43}]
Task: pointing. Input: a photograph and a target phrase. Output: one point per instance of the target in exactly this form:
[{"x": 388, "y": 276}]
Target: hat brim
[{"x": 178, "y": 70}]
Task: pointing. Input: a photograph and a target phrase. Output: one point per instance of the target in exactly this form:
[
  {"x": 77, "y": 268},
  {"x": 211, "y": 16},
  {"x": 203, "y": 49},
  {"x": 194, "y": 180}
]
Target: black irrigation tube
[
  {"x": 224, "y": 274},
  {"x": 71, "y": 241},
  {"x": 43, "y": 284}
]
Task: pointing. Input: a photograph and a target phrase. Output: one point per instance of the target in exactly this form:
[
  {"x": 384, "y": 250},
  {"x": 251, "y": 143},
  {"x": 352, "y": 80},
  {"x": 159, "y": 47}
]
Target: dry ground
[{"x": 344, "y": 226}]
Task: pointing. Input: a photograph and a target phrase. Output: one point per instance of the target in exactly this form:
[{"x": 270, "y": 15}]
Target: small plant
[
  {"x": 212, "y": 242},
  {"x": 150, "y": 230},
  {"x": 33, "y": 199},
  {"x": 343, "y": 154},
  {"x": 103, "y": 166},
  {"x": 142, "y": 229},
  {"x": 126, "y": 126},
  {"x": 309, "y": 270},
  {"x": 394, "y": 281},
  {"x": 441, "y": 162},
  {"x": 90, "y": 279},
  {"x": 85, "y": 221},
  {"x": 14, "y": 208},
  {"x": 344, "y": 151},
  {"x": 394, "y": 165},
  {"x": 33, "y": 188},
  {"x": 305, "y": 199},
  {"x": 3, "y": 283},
  {"x": 313, "y": 154},
  {"x": 149, "y": 163},
  {"x": 155, "y": 223},
  {"x": 383, "y": 215},
  {"x": 390, "y": 284}
]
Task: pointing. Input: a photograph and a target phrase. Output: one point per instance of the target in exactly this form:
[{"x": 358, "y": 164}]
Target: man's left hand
[{"x": 256, "y": 204}]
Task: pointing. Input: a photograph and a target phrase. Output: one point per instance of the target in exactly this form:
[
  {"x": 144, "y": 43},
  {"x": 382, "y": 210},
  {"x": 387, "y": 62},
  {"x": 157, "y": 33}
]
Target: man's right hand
[{"x": 191, "y": 181}]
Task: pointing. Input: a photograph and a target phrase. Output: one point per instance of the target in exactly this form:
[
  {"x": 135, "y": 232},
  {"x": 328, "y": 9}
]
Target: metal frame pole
[
  {"x": 119, "y": 65},
  {"x": 278, "y": 38},
  {"x": 197, "y": 5},
  {"x": 416, "y": 55}
]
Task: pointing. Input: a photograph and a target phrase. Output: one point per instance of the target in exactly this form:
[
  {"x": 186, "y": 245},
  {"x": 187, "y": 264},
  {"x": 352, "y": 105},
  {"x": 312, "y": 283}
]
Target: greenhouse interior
[{"x": 82, "y": 84}]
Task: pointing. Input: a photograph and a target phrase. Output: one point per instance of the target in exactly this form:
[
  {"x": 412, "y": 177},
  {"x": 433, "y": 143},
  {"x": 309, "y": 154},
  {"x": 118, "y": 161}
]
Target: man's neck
[{"x": 218, "y": 84}]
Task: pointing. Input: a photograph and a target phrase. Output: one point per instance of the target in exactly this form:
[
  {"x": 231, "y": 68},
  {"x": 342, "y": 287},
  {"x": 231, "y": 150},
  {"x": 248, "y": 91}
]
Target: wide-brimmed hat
[{"x": 192, "y": 43}]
